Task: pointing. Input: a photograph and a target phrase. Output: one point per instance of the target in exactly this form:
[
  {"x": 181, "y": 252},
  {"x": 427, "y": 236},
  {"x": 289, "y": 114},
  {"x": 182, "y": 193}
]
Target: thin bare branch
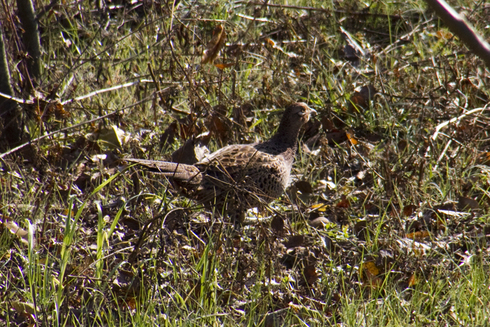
[{"x": 462, "y": 28}]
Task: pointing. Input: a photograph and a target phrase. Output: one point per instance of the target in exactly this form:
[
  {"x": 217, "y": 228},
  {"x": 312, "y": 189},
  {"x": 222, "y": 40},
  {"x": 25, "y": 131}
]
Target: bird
[{"x": 238, "y": 177}]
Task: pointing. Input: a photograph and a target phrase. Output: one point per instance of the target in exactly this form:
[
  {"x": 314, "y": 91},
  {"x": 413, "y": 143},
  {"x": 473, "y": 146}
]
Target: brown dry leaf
[
  {"x": 45, "y": 110},
  {"x": 215, "y": 45},
  {"x": 184, "y": 128},
  {"x": 304, "y": 187},
  {"x": 465, "y": 203},
  {"x": 294, "y": 241},
  {"x": 361, "y": 98},
  {"x": 371, "y": 269},
  {"x": 402, "y": 145},
  {"x": 343, "y": 203},
  {"x": 295, "y": 308},
  {"x": 223, "y": 66},
  {"x": 131, "y": 303},
  {"x": 219, "y": 125},
  {"x": 418, "y": 236},
  {"x": 409, "y": 210},
  {"x": 444, "y": 34},
  {"x": 351, "y": 138},
  {"x": 361, "y": 230},
  {"x": 413, "y": 280},
  {"x": 130, "y": 223},
  {"x": 297, "y": 71},
  {"x": 327, "y": 124},
  {"x": 336, "y": 137},
  {"x": 370, "y": 274},
  {"x": 271, "y": 42},
  {"x": 277, "y": 223},
  {"x": 310, "y": 274},
  {"x": 60, "y": 112}
]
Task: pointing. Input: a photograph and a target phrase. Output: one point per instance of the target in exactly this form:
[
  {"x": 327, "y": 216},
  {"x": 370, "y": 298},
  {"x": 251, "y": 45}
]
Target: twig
[
  {"x": 328, "y": 11},
  {"x": 444, "y": 124},
  {"x": 463, "y": 29},
  {"x": 97, "y": 92},
  {"x": 88, "y": 95},
  {"x": 191, "y": 85},
  {"x": 160, "y": 92},
  {"x": 436, "y": 166},
  {"x": 455, "y": 119},
  {"x": 70, "y": 128},
  {"x": 18, "y": 100}
]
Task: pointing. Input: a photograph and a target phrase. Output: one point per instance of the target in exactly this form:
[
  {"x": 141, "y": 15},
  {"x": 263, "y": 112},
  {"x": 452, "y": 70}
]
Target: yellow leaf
[
  {"x": 414, "y": 280},
  {"x": 222, "y": 66},
  {"x": 351, "y": 138},
  {"x": 417, "y": 236},
  {"x": 320, "y": 206}
]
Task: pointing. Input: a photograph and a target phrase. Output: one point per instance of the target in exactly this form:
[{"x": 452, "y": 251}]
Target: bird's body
[{"x": 241, "y": 176}]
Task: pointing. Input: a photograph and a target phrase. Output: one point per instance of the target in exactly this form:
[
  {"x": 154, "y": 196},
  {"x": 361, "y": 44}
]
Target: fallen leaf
[
  {"x": 294, "y": 241},
  {"x": 215, "y": 45},
  {"x": 402, "y": 145},
  {"x": 418, "y": 236},
  {"x": 351, "y": 138},
  {"x": 413, "y": 280},
  {"x": 465, "y": 203},
  {"x": 361, "y": 230},
  {"x": 369, "y": 275},
  {"x": 23, "y": 307},
  {"x": 220, "y": 126},
  {"x": 223, "y": 66},
  {"x": 343, "y": 203},
  {"x": 277, "y": 224},
  {"x": 310, "y": 274},
  {"x": 322, "y": 207},
  {"x": 335, "y": 137},
  {"x": 444, "y": 34},
  {"x": 113, "y": 136},
  {"x": 409, "y": 210},
  {"x": 361, "y": 98},
  {"x": 304, "y": 186}
]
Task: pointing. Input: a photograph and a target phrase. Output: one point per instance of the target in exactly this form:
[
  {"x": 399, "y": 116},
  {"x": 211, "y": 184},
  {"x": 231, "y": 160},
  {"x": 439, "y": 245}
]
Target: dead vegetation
[{"x": 386, "y": 218}]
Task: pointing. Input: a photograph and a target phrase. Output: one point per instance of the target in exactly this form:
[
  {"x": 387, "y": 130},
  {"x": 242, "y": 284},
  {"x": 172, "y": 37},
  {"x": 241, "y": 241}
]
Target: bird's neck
[
  {"x": 282, "y": 143},
  {"x": 285, "y": 140},
  {"x": 286, "y": 136}
]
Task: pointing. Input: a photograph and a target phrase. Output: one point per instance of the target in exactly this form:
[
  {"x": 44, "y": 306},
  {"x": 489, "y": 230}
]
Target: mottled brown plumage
[{"x": 241, "y": 176}]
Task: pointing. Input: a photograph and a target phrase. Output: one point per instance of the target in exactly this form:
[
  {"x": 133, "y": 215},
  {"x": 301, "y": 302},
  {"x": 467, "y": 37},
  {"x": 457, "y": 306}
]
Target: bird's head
[{"x": 297, "y": 114}]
